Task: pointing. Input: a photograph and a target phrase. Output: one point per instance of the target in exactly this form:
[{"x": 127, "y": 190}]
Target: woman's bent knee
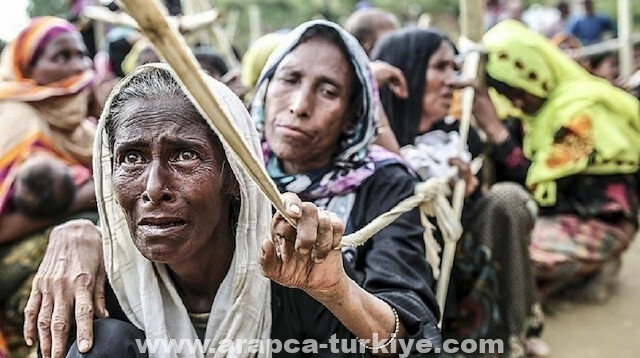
[{"x": 112, "y": 338}]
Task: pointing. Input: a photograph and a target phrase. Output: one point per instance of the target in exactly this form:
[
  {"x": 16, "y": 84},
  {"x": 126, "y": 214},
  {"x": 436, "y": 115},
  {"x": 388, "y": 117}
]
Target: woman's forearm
[
  {"x": 368, "y": 317},
  {"x": 85, "y": 198},
  {"x": 16, "y": 225}
]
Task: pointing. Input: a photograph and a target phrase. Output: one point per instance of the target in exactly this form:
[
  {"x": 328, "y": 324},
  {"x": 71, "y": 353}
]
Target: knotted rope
[{"x": 430, "y": 196}]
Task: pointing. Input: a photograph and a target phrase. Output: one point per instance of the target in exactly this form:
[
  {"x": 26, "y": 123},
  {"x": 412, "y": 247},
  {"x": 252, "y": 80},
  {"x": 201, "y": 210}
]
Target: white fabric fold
[{"x": 242, "y": 306}]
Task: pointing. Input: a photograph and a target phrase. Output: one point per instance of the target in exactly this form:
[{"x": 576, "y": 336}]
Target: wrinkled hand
[
  {"x": 233, "y": 81},
  {"x": 304, "y": 258},
  {"x": 391, "y": 76},
  {"x": 464, "y": 172},
  {"x": 72, "y": 270},
  {"x": 483, "y": 110}
]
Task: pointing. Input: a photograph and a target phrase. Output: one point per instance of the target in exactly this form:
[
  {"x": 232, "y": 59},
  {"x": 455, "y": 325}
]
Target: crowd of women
[{"x": 186, "y": 247}]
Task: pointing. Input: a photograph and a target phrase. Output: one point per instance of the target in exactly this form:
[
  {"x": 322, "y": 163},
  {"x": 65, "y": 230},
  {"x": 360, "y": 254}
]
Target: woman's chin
[
  {"x": 159, "y": 251},
  {"x": 159, "y": 255}
]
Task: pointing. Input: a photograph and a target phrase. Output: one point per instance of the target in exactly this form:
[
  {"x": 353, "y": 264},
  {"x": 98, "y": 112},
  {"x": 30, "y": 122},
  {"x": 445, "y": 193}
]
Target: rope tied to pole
[{"x": 431, "y": 197}]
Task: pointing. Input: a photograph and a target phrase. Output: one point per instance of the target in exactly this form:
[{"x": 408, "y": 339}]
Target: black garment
[
  {"x": 112, "y": 338},
  {"x": 409, "y": 50},
  {"x": 391, "y": 265}
]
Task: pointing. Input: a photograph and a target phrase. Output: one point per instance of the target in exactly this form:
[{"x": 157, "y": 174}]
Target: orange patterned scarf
[{"x": 50, "y": 119}]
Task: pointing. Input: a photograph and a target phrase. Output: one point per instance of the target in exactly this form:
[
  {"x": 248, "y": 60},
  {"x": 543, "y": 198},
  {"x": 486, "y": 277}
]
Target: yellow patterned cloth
[{"x": 585, "y": 126}]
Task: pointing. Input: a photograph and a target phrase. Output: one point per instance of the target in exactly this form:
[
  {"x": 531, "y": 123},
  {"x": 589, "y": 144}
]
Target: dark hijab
[{"x": 408, "y": 49}]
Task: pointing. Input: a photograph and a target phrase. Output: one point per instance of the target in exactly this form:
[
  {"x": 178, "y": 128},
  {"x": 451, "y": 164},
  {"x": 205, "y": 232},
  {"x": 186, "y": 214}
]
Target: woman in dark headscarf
[
  {"x": 493, "y": 292},
  {"x": 315, "y": 105}
]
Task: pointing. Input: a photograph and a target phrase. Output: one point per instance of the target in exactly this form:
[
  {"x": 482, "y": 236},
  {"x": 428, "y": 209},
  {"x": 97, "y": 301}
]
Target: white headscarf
[{"x": 242, "y": 306}]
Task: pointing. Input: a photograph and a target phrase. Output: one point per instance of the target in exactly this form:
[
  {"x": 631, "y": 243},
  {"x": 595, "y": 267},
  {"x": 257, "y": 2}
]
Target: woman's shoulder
[
  {"x": 393, "y": 174},
  {"x": 389, "y": 185}
]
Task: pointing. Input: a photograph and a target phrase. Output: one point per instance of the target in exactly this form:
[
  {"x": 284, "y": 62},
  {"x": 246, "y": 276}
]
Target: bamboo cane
[
  {"x": 605, "y": 46},
  {"x": 172, "y": 47},
  {"x": 218, "y": 36},
  {"x": 470, "y": 68},
  {"x": 186, "y": 23}
]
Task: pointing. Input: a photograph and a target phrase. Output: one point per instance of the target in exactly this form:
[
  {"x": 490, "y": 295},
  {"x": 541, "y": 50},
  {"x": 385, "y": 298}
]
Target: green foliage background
[{"x": 279, "y": 14}]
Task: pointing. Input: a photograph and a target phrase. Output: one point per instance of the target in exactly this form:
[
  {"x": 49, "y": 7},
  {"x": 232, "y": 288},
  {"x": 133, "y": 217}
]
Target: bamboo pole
[
  {"x": 471, "y": 28},
  {"x": 172, "y": 47},
  {"x": 255, "y": 25},
  {"x": 606, "y": 46},
  {"x": 218, "y": 36},
  {"x": 231, "y": 27},
  {"x": 624, "y": 33},
  {"x": 186, "y": 23}
]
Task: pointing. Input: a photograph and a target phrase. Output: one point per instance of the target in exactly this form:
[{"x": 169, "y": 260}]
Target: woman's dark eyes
[
  {"x": 133, "y": 158},
  {"x": 66, "y": 56},
  {"x": 186, "y": 155}
]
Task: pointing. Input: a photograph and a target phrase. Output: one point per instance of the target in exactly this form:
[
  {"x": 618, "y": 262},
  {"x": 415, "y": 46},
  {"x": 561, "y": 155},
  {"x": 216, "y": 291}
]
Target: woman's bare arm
[
  {"x": 304, "y": 258},
  {"x": 72, "y": 270}
]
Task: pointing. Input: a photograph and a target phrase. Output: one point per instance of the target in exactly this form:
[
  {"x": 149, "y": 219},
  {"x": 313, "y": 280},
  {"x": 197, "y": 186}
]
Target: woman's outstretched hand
[
  {"x": 305, "y": 258},
  {"x": 70, "y": 279}
]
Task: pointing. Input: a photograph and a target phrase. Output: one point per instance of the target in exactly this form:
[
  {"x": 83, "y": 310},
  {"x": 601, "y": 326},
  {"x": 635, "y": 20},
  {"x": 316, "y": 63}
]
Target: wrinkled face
[
  {"x": 307, "y": 105},
  {"x": 63, "y": 57},
  {"x": 436, "y": 99},
  {"x": 167, "y": 175}
]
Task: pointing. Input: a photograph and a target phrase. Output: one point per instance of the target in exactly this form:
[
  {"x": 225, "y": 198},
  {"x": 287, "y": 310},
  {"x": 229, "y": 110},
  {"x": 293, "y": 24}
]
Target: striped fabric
[{"x": 16, "y": 59}]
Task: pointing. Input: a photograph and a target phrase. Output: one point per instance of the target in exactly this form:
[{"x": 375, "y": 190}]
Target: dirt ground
[{"x": 597, "y": 331}]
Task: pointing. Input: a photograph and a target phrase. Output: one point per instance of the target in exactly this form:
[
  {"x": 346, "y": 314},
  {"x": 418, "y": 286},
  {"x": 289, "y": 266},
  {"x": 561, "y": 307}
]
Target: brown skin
[
  {"x": 609, "y": 69},
  {"x": 394, "y": 78},
  {"x": 527, "y": 102},
  {"x": 64, "y": 56},
  {"x": 436, "y": 102},
  {"x": 436, "y": 99},
  {"x": 307, "y": 110},
  {"x": 485, "y": 112},
  {"x": 303, "y": 101},
  {"x": 84, "y": 284},
  {"x": 307, "y": 107},
  {"x": 304, "y": 258},
  {"x": 167, "y": 177}
]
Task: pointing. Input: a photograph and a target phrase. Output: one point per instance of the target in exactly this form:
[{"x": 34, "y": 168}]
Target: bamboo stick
[
  {"x": 470, "y": 68},
  {"x": 605, "y": 46},
  {"x": 186, "y": 23},
  {"x": 172, "y": 47},
  {"x": 624, "y": 32},
  {"x": 218, "y": 36},
  {"x": 231, "y": 27},
  {"x": 471, "y": 28}
]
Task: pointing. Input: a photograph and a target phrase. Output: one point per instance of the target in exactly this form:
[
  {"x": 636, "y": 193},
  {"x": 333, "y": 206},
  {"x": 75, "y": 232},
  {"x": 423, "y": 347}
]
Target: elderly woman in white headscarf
[{"x": 383, "y": 290}]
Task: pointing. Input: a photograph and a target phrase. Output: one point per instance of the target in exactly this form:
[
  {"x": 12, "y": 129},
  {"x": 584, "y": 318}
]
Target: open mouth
[{"x": 162, "y": 223}]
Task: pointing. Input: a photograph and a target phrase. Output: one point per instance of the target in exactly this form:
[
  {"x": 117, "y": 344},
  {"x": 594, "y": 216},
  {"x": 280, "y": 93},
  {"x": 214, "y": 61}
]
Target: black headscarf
[{"x": 408, "y": 49}]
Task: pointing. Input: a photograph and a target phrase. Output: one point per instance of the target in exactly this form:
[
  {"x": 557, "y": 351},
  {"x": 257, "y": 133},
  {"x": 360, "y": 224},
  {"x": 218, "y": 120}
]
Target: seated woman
[
  {"x": 492, "y": 268},
  {"x": 389, "y": 284},
  {"x": 45, "y": 103},
  {"x": 578, "y": 157}
]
